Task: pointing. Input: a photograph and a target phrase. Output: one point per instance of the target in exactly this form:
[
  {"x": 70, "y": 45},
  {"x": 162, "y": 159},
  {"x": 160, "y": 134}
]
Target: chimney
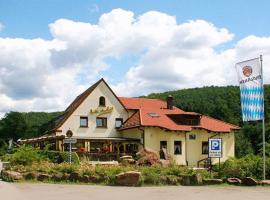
[{"x": 170, "y": 102}]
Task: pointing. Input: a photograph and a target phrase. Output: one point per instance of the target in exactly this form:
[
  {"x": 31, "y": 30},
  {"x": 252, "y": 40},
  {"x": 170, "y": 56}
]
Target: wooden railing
[{"x": 206, "y": 163}]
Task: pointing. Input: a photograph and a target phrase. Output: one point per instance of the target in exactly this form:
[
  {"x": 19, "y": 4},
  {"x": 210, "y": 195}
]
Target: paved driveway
[{"x": 26, "y": 191}]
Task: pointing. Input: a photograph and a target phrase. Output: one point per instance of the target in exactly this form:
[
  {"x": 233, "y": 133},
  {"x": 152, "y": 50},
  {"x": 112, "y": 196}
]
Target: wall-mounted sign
[
  {"x": 102, "y": 110},
  {"x": 215, "y": 148}
]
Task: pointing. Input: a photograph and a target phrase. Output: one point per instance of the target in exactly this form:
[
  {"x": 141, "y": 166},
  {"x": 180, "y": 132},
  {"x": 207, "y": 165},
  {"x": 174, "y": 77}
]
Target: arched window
[{"x": 102, "y": 101}]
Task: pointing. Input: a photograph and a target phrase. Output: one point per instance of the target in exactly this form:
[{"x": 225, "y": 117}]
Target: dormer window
[
  {"x": 186, "y": 119},
  {"x": 102, "y": 101}
]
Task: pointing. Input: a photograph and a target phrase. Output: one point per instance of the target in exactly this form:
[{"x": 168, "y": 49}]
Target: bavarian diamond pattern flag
[{"x": 251, "y": 89}]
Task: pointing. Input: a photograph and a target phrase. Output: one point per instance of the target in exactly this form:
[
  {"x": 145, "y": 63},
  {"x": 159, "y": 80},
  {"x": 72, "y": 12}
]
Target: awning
[
  {"x": 41, "y": 139},
  {"x": 57, "y": 137},
  {"x": 108, "y": 139}
]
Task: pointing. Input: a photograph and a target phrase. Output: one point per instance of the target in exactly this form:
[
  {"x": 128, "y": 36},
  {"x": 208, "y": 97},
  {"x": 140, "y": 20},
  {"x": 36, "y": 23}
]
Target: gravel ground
[{"x": 35, "y": 191}]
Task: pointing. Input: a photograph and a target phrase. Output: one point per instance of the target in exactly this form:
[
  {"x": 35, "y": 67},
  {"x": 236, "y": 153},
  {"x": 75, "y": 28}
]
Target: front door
[{"x": 163, "y": 149}]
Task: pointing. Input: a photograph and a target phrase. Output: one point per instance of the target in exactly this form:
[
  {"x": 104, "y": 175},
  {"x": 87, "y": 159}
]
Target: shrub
[
  {"x": 107, "y": 174},
  {"x": 25, "y": 155},
  {"x": 59, "y": 157},
  {"x": 177, "y": 170},
  {"x": 43, "y": 167},
  {"x": 151, "y": 175},
  {"x": 66, "y": 168},
  {"x": 249, "y": 165}
]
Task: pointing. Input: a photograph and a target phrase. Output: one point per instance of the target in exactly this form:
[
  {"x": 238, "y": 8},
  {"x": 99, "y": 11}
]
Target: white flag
[{"x": 251, "y": 89}]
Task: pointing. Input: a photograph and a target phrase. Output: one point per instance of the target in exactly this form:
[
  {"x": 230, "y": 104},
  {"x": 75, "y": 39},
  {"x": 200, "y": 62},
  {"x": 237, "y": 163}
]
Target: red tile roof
[{"x": 154, "y": 112}]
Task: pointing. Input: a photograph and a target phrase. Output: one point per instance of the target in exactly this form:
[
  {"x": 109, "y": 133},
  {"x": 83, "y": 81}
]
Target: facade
[{"x": 105, "y": 124}]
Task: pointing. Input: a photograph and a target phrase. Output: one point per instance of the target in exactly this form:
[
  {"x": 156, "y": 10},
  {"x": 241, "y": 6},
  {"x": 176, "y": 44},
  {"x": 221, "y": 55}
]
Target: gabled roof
[
  {"x": 133, "y": 121},
  {"x": 148, "y": 112},
  {"x": 59, "y": 121},
  {"x": 154, "y": 112}
]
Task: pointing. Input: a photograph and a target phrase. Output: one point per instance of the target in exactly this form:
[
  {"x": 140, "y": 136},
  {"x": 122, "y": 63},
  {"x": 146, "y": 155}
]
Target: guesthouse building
[{"x": 105, "y": 124}]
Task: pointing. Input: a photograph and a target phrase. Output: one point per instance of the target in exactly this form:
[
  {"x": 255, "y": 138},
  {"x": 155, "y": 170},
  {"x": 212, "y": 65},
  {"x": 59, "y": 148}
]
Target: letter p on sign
[{"x": 215, "y": 145}]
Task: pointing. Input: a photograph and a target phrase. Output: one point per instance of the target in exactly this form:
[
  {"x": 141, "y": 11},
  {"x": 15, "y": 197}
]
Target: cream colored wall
[
  {"x": 194, "y": 147},
  {"x": 191, "y": 149},
  {"x": 133, "y": 133},
  {"x": 92, "y": 102},
  {"x": 153, "y": 136}
]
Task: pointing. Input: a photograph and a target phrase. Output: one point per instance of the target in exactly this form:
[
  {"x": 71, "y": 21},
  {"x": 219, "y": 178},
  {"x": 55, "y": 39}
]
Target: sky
[{"x": 52, "y": 50}]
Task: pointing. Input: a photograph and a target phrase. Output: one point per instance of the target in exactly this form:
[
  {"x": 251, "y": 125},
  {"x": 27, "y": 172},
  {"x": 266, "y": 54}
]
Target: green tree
[{"x": 13, "y": 126}]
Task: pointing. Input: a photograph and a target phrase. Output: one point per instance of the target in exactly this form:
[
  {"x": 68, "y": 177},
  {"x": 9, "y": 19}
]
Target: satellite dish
[{"x": 69, "y": 133}]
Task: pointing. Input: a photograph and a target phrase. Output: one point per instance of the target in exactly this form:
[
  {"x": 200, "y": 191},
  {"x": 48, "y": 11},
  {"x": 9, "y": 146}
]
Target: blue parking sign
[{"x": 215, "y": 147}]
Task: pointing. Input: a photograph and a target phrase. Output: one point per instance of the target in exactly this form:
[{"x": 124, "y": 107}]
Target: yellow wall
[
  {"x": 153, "y": 136},
  {"x": 191, "y": 149},
  {"x": 92, "y": 102},
  {"x": 194, "y": 147},
  {"x": 133, "y": 133}
]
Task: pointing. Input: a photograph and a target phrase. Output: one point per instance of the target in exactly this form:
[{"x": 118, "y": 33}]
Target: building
[{"x": 105, "y": 124}]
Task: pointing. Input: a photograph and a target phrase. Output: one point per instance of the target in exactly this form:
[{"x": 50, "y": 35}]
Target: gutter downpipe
[
  {"x": 143, "y": 135},
  {"x": 186, "y": 148}
]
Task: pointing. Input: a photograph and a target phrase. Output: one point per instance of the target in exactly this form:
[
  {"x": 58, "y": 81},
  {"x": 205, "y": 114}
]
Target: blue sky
[
  {"x": 51, "y": 50},
  {"x": 30, "y": 18}
]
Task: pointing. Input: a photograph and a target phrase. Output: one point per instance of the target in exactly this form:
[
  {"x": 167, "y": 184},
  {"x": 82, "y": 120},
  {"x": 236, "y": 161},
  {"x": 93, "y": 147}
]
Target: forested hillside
[
  {"x": 24, "y": 125},
  {"x": 219, "y": 102}
]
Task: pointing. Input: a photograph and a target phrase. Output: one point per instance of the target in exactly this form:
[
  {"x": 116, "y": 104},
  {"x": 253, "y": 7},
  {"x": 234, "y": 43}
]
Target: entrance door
[{"x": 163, "y": 149}]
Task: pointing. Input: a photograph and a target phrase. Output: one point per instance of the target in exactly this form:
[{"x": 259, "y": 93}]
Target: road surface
[{"x": 35, "y": 191}]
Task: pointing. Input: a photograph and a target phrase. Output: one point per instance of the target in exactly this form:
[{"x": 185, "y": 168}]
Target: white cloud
[{"x": 39, "y": 74}]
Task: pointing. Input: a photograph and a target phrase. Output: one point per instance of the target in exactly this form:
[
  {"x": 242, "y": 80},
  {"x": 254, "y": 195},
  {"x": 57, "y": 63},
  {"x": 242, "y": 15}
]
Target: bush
[
  {"x": 25, "y": 155},
  {"x": 107, "y": 174},
  {"x": 151, "y": 175},
  {"x": 248, "y": 166},
  {"x": 59, "y": 157},
  {"x": 66, "y": 168}
]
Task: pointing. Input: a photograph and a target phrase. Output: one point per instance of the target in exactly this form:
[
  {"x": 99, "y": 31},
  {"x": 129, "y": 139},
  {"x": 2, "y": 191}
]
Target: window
[
  {"x": 185, "y": 119},
  {"x": 204, "y": 147},
  {"x": 177, "y": 147},
  {"x": 102, "y": 101},
  {"x": 131, "y": 148},
  {"x": 83, "y": 121},
  {"x": 118, "y": 122},
  {"x": 101, "y": 122},
  {"x": 192, "y": 137},
  {"x": 153, "y": 114},
  {"x": 96, "y": 147}
]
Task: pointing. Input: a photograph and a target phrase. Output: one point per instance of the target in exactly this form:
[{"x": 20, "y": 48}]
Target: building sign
[
  {"x": 215, "y": 148},
  {"x": 102, "y": 110}
]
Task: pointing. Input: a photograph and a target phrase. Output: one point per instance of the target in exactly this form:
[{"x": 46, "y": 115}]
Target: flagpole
[{"x": 263, "y": 124}]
